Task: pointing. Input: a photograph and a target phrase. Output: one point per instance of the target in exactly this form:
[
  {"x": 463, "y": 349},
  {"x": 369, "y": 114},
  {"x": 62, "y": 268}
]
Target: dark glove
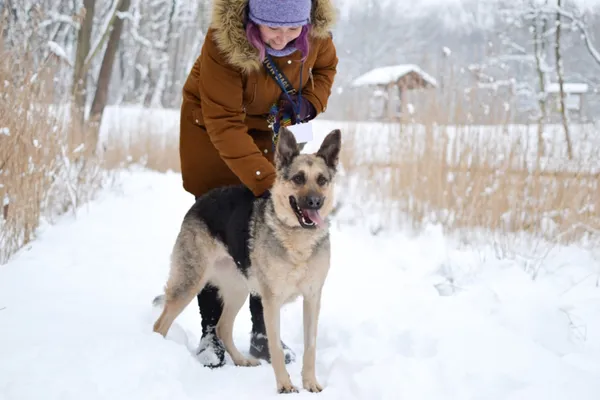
[
  {"x": 282, "y": 113},
  {"x": 307, "y": 110}
]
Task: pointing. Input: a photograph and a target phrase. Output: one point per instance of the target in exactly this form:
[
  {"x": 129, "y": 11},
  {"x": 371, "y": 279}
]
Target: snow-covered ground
[{"x": 403, "y": 316}]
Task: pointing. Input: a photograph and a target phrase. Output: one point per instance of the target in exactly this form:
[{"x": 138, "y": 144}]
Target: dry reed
[
  {"x": 447, "y": 170},
  {"x": 46, "y": 169}
]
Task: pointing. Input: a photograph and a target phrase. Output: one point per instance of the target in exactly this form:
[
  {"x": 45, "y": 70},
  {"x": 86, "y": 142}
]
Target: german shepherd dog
[{"x": 276, "y": 246}]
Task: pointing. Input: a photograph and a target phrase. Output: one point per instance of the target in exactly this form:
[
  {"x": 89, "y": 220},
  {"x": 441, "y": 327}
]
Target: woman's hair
[{"x": 301, "y": 42}]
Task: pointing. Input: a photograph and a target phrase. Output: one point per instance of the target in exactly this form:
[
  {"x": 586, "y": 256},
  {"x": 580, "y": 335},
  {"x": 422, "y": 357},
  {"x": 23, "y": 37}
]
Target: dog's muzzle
[{"x": 307, "y": 209}]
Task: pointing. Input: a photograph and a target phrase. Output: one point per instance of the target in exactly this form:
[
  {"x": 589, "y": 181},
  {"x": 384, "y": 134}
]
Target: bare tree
[
  {"x": 84, "y": 40},
  {"x": 161, "y": 39},
  {"x": 164, "y": 72},
  {"x": 101, "y": 96},
  {"x": 560, "y": 75},
  {"x": 578, "y": 24},
  {"x": 539, "y": 23}
]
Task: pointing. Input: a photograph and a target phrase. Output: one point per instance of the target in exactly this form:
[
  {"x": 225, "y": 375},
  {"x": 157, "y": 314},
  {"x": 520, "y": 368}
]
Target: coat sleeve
[
  {"x": 323, "y": 74},
  {"x": 221, "y": 94}
]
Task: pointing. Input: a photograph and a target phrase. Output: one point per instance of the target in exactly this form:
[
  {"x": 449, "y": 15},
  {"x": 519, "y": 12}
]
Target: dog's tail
[{"x": 159, "y": 300}]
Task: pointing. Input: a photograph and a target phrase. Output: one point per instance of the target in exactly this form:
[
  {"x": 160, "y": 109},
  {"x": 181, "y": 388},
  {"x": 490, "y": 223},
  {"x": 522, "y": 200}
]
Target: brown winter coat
[{"x": 224, "y": 135}]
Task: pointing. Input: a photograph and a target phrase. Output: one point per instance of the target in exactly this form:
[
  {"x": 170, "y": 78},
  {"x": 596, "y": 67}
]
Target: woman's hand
[{"x": 286, "y": 109}]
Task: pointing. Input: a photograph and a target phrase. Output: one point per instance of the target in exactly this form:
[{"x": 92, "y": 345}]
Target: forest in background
[{"x": 116, "y": 52}]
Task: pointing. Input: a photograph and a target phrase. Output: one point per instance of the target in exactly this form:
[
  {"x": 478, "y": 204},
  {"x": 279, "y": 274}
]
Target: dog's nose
[{"x": 314, "y": 202}]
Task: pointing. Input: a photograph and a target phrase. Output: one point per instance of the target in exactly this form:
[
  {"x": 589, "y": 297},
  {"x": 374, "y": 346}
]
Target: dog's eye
[
  {"x": 299, "y": 179},
  {"x": 321, "y": 180}
]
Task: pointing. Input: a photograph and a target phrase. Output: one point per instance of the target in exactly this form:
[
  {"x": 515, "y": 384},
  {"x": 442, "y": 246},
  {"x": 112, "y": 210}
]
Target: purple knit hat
[{"x": 277, "y": 13}]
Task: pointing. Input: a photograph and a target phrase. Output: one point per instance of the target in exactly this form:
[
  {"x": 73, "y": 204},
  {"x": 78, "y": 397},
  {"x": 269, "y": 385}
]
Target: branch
[
  {"x": 59, "y": 52},
  {"x": 55, "y": 17},
  {"x": 582, "y": 26}
]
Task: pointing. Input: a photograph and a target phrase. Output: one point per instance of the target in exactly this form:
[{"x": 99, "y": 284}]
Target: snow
[
  {"x": 385, "y": 75},
  {"x": 578, "y": 88},
  {"x": 58, "y": 51},
  {"x": 125, "y": 122},
  {"x": 404, "y": 315}
]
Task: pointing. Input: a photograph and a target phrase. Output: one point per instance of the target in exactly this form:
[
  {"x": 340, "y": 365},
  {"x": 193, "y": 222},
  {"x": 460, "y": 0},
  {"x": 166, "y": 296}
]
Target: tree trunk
[
  {"x": 559, "y": 71},
  {"x": 84, "y": 38},
  {"x": 101, "y": 95},
  {"x": 540, "y": 50},
  {"x": 165, "y": 73}
]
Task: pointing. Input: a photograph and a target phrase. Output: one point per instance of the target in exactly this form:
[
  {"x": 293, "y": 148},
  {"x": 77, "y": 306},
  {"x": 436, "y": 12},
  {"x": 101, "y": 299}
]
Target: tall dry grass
[
  {"x": 46, "y": 168},
  {"x": 47, "y": 165},
  {"x": 144, "y": 147}
]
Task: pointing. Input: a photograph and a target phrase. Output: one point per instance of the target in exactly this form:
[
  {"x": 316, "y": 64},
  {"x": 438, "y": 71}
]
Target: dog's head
[{"x": 303, "y": 191}]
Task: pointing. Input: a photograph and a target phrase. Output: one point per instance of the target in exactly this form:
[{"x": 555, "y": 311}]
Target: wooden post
[
  {"x": 5, "y": 202},
  {"x": 389, "y": 104},
  {"x": 402, "y": 94}
]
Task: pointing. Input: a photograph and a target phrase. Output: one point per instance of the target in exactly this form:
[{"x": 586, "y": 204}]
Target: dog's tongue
[{"x": 314, "y": 216}]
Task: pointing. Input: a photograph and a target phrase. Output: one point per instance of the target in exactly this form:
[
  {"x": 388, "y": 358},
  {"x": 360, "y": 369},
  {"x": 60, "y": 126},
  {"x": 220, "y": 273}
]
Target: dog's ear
[
  {"x": 330, "y": 148},
  {"x": 287, "y": 148}
]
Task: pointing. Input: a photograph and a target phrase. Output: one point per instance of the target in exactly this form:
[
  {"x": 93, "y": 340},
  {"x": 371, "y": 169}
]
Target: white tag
[{"x": 302, "y": 132}]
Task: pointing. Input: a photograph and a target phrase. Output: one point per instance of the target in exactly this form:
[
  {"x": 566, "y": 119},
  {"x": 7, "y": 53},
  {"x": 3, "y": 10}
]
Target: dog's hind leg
[
  {"x": 187, "y": 278},
  {"x": 234, "y": 295}
]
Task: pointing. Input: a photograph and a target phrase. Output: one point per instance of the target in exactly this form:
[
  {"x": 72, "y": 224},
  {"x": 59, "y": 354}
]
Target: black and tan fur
[{"x": 269, "y": 246}]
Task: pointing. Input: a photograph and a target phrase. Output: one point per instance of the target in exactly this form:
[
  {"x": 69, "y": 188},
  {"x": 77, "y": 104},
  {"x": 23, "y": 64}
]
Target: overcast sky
[
  {"x": 446, "y": 3},
  {"x": 454, "y": 13}
]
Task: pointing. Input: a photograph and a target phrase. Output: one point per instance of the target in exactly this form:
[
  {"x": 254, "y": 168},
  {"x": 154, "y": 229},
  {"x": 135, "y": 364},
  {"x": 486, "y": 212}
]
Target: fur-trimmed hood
[{"x": 228, "y": 21}]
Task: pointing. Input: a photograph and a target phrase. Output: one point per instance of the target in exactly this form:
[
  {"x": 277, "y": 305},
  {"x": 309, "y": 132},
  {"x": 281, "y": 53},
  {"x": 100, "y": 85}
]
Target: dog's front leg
[
  {"x": 271, "y": 309},
  {"x": 312, "y": 306}
]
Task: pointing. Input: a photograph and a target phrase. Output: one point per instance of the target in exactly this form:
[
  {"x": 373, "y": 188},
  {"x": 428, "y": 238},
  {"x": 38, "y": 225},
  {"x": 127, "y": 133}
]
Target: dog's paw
[
  {"x": 247, "y": 362},
  {"x": 312, "y": 385},
  {"x": 287, "y": 387}
]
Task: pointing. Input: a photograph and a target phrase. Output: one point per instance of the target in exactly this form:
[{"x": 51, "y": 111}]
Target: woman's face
[{"x": 278, "y": 38}]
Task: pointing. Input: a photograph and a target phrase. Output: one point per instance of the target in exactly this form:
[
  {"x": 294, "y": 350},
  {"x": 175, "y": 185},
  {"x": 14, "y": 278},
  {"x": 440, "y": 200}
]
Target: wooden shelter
[
  {"x": 392, "y": 84},
  {"x": 574, "y": 96}
]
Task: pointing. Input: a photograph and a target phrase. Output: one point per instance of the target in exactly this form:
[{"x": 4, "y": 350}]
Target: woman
[{"x": 232, "y": 110}]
